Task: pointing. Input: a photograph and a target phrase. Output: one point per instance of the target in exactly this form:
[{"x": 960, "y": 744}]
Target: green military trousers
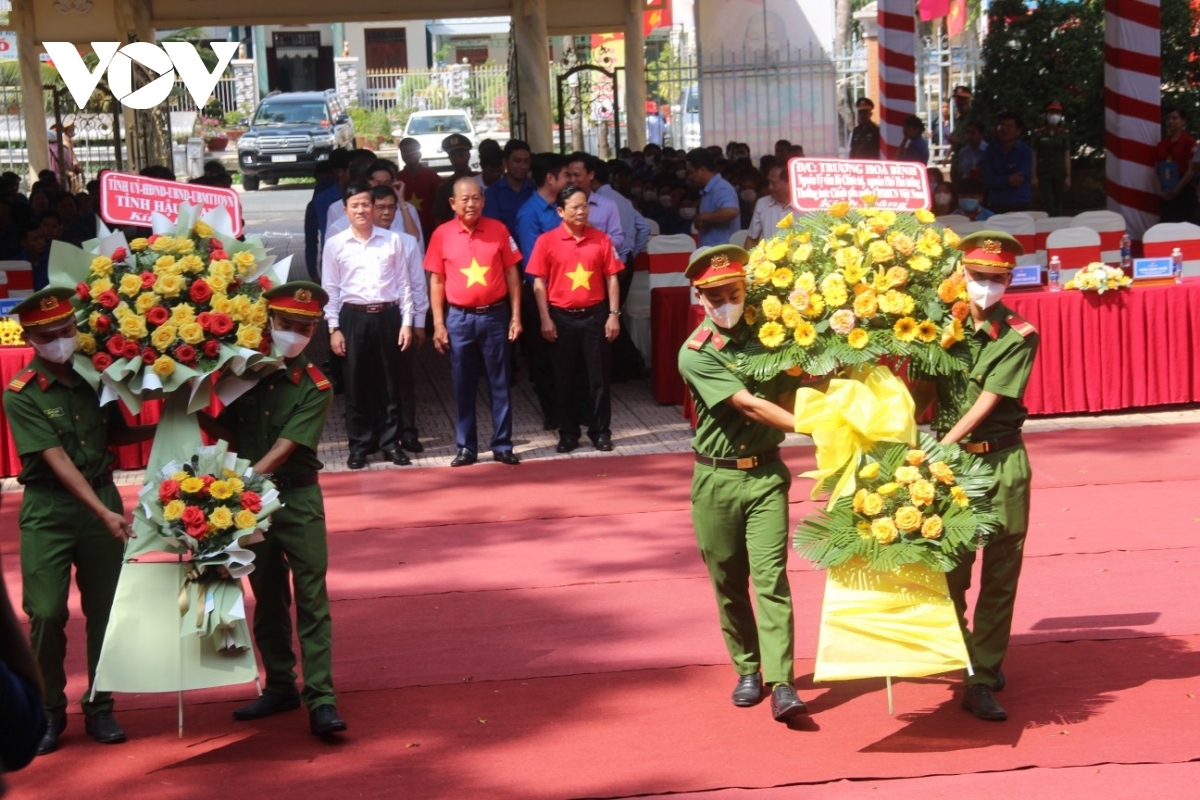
[
  {"x": 987, "y": 638},
  {"x": 296, "y": 544},
  {"x": 741, "y": 523},
  {"x": 58, "y": 531},
  {"x": 1051, "y": 191}
]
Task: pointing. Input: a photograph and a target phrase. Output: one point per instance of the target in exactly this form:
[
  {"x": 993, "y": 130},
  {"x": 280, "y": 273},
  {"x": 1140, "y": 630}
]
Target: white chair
[
  {"x": 1021, "y": 227},
  {"x": 18, "y": 277},
  {"x": 635, "y": 315},
  {"x": 946, "y": 220},
  {"x": 966, "y": 226},
  {"x": 654, "y": 229},
  {"x": 738, "y": 238},
  {"x": 1044, "y": 226},
  {"x": 1161, "y": 239},
  {"x": 668, "y": 258},
  {"x": 1111, "y": 227},
  {"x": 1035, "y": 214},
  {"x": 1075, "y": 248}
]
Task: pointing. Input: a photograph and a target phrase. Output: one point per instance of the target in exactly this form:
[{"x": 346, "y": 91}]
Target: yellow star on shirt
[
  {"x": 476, "y": 273},
  {"x": 580, "y": 278}
]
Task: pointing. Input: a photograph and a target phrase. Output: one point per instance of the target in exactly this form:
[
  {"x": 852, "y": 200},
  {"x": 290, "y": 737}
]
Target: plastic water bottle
[
  {"x": 1055, "y": 266},
  {"x": 1177, "y": 265},
  {"x": 1126, "y": 252}
]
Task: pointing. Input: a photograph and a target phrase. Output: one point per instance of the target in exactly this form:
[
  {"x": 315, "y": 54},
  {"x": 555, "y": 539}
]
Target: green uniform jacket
[{"x": 1050, "y": 144}]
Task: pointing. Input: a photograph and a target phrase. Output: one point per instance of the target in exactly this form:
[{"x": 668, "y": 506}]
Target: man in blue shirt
[
  {"x": 914, "y": 147},
  {"x": 719, "y": 213},
  {"x": 1008, "y": 167},
  {"x": 504, "y": 198}
]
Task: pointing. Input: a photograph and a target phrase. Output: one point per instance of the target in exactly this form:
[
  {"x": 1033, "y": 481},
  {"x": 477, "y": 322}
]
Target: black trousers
[
  {"x": 374, "y": 377},
  {"x": 581, "y": 342}
]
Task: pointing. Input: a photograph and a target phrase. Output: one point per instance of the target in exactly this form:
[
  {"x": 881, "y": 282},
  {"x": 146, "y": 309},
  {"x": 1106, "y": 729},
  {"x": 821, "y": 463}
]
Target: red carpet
[{"x": 549, "y": 632}]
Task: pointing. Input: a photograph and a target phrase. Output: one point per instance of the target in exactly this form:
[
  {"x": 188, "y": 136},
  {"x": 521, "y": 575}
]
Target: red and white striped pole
[
  {"x": 1132, "y": 98},
  {"x": 897, "y": 70}
]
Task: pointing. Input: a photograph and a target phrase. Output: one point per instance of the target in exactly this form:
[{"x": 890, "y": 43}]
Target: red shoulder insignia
[
  {"x": 699, "y": 338},
  {"x": 718, "y": 341},
  {"x": 1020, "y": 325},
  {"x": 318, "y": 378},
  {"x": 18, "y": 382}
]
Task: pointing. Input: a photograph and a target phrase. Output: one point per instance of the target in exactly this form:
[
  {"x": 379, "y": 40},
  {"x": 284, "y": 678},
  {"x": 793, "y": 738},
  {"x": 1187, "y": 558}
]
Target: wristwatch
[{"x": 614, "y": 313}]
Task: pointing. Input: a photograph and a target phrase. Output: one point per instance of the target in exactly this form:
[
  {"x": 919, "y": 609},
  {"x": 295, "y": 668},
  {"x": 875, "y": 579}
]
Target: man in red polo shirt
[
  {"x": 472, "y": 264},
  {"x": 420, "y": 183},
  {"x": 575, "y": 270}
]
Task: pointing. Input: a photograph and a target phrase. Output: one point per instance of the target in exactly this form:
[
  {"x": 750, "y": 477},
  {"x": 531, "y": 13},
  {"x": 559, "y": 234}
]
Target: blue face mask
[{"x": 968, "y": 204}]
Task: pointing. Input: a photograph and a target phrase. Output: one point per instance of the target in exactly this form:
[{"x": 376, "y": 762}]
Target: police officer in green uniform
[
  {"x": 981, "y": 410},
  {"x": 71, "y": 514},
  {"x": 865, "y": 138},
  {"x": 277, "y": 425},
  {"x": 1052, "y": 160},
  {"x": 740, "y": 485}
]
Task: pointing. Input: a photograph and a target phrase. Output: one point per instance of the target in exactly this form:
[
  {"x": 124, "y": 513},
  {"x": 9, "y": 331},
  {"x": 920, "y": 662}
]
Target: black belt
[
  {"x": 52, "y": 484},
  {"x": 578, "y": 312},
  {"x": 991, "y": 445},
  {"x": 740, "y": 463},
  {"x": 481, "y": 309},
  {"x": 295, "y": 482},
  {"x": 369, "y": 308}
]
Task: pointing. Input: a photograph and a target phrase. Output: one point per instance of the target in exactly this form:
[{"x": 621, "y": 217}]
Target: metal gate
[
  {"x": 96, "y": 142},
  {"x": 587, "y": 102}
]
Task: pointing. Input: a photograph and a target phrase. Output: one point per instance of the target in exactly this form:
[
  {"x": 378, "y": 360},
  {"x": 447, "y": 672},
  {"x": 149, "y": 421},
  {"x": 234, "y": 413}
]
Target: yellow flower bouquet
[
  {"x": 846, "y": 287},
  {"x": 925, "y": 505},
  {"x": 1099, "y": 278}
]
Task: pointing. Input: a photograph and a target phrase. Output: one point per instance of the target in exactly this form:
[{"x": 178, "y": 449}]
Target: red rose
[
  {"x": 212, "y": 348},
  {"x": 215, "y": 244},
  {"x": 186, "y": 354},
  {"x": 157, "y": 315},
  {"x": 251, "y": 501},
  {"x": 102, "y": 361},
  {"x": 205, "y": 320},
  {"x": 131, "y": 350},
  {"x": 103, "y": 324},
  {"x": 168, "y": 491},
  {"x": 84, "y": 291},
  {"x": 149, "y": 356},
  {"x": 192, "y": 515},
  {"x": 148, "y": 279},
  {"x": 237, "y": 284},
  {"x": 153, "y": 238},
  {"x": 221, "y": 324},
  {"x": 264, "y": 283},
  {"x": 198, "y": 531},
  {"x": 108, "y": 300},
  {"x": 116, "y": 345},
  {"x": 200, "y": 292},
  {"x": 209, "y": 480},
  {"x": 218, "y": 254},
  {"x": 118, "y": 255}
]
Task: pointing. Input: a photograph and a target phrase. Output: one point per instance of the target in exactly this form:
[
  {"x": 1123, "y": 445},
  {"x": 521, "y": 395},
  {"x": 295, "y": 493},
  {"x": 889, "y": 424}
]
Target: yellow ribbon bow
[{"x": 872, "y": 405}]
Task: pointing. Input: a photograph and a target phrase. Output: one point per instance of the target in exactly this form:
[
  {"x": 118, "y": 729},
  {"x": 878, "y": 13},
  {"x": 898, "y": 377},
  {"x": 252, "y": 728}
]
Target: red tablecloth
[
  {"x": 669, "y": 327},
  {"x": 1125, "y": 349}
]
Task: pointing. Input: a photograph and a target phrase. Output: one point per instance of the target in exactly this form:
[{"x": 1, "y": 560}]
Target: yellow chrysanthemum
[
  {"x": 858, "y": 338},
  {"x": 949, "y": 237},
  {"x": 929, "y": 248},
  {"x": 920, "y": 263},
  {"x": 235, "y": 483},
  {"x": 139, "y": 244},
  {"x": 245, "y": 519},
  {"x": 180, "y": 477},
  {"x": 833, "y": 287},
  {"x": 927, "y": 331},
  {"x": 85, "y": 343},
  {"x": 959, "y": 495},
  {"x": 772, "y": 307},
  {"x": 805, "y": 333},
  {"x": 102, "y": 266},
  {"x": 908, "y": 519},
  {"x": 884, "y": 530},
  {"x": 782, "y": 278},
  {"x": 163, "y": 337},
  {"x": 183, "y": 314},
  {"x": 133, "y": 326},
  {"x": 251, "y": 336},
  {"x": 905, "y": 329},
  {"x": 790, "y": 316},
  {"x": 202, "y": 228},
  {"x": 169, "y": 285},
  {"x": 221, "y": 518},
  {"x": 145, "y": 302},
  {"x": 220, "y": 490},
  {"x": 173, "y": 510},
  {"x": 164, "y": 366},
  {"x": 925, "y": 216},
  {"x": 772, "y": 334},
  {"x": 816, "y": 306},
  {"x": 191, "y": 333},
  {"x": 191, "y": 485}
]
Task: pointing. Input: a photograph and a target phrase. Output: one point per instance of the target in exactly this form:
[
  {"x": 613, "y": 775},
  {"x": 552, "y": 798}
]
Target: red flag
[
  {"x": 934, "y": 9},
  {"x": 956, "y": 20}
]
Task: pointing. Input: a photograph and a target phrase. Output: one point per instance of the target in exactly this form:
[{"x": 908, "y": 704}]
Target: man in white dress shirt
[
  {"x": 603, "y": 214},
  {"x": 769, "y": 210},
  {"x": 367, "y": 274}
]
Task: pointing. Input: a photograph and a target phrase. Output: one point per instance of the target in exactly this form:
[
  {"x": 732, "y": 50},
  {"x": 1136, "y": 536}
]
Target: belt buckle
[
  {"x": 747, "y": 463},
  {"x": 374, "y": 308},
  {"x": 482, "y": 309}
]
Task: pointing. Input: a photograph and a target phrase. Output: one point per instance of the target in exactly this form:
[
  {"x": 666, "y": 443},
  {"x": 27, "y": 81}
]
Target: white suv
[{"x": 431, "y": 127}]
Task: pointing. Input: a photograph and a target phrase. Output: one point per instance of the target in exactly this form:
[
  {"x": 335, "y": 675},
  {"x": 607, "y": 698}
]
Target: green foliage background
[{"x": 1056, "y": 52}]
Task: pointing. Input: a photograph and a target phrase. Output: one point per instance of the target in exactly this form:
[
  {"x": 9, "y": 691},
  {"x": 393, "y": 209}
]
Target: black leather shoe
[
  {"x": 977, "y": 698},
  {"x": 324, "y": 720},
  {"x": 785, "y": 704},
  {"x": 506, "y": 457},
  {"x": 356, "y": 460},
  {"x": 397, "y": 456},
  {"x": 464, "y": 458},
  {"x": 1000, "y": 681},
  {"x": 748, "y": 691},
  {"x": 412, "y": 445},
  {"x": 54, "y": 729},
  {"x": 267, "y": 704},
  {"x": 103, "y": 728},
  {"x": 566, "y": 444},
  {"x": 603, "y": 442}
]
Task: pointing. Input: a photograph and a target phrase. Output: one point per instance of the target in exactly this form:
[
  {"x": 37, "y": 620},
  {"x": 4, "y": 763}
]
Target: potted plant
[
  {"x": 210, "y": 130},
  {"x": 237, "y": 122}
]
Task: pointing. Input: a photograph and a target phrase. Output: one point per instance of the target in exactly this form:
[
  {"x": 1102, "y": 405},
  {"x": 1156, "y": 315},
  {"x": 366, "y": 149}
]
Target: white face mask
[
  {"x": 687, "y": 213},
  {"x": 58, "y": 351},
  {"x": 289, "y": 343},
  {"x": 1054, "y": 119},
  {"x": 726, "y": 315},
  {"x": 749, "y": 195},
  {"x": 985, "y": 294}
]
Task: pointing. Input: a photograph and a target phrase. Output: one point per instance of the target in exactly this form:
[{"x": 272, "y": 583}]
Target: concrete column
[
  {"x": 868, "y": 19},
  {"x": 635, "y": 75},
  {"x": 260, "y": 59},
  {"x": 533, "y": 72},
  {"x": 33, "y": 101}
]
